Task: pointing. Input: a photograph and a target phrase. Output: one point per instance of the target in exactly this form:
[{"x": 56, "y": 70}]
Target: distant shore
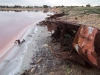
[{"x": 55, "y": 10}]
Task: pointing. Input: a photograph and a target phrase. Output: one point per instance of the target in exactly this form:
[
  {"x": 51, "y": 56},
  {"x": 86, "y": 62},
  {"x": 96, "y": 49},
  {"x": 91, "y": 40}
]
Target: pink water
[{"x": 12, "y": 25}]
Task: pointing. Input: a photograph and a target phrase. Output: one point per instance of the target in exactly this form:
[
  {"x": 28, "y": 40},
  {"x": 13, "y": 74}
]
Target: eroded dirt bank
[{"x": 45, "y": 63}]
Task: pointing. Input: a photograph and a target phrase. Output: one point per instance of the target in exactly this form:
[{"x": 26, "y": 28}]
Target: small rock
[
  {"x": 32, "y": 70},
  {"x": 45, "y": 45},
  {"x": 38, "y": 60},
  {"x": 51, "y": 73}
]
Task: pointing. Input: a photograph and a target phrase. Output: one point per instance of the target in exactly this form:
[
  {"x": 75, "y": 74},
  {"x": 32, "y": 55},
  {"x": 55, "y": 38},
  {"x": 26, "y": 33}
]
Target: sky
[{"x": 49, "y": 2}]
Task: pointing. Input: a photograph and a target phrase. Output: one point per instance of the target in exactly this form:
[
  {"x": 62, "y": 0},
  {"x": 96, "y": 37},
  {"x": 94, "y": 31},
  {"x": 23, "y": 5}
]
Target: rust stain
[
  {"x": 84, "y": 45},
  {"x": 86, "y": 41}
]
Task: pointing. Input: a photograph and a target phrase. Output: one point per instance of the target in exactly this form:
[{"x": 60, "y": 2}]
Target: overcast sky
[{"x": 49, "y": 2}]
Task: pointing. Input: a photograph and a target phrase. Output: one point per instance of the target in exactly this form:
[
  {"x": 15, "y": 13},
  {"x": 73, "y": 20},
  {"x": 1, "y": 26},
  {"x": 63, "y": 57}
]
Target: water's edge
[{"x": 13, "y": 57}]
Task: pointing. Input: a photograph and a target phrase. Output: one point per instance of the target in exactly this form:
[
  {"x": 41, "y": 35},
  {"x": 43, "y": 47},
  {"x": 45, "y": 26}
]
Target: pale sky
[{"x": 49, "y": 2}]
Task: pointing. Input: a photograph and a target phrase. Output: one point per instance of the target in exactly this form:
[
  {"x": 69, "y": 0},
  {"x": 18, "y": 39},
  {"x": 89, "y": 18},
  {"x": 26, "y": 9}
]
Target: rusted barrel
[{"x": 84, "y": 45}]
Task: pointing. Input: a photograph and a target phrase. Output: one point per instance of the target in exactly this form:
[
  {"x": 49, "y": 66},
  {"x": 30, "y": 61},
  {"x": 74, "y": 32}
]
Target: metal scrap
[
  {"x": 84, "y": 46},
  {"x": 55, "y": 16}
]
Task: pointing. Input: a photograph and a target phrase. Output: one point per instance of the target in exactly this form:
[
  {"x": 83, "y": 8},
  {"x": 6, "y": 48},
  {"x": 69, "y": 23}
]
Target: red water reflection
[{"x": 12, "y": 25}]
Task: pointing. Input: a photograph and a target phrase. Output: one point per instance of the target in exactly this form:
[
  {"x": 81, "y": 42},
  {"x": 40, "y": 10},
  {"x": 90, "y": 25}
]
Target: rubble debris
[
  {"x": 51, "y": 73},
  {"x": 32, "y": 70},
  {"x": 29, "y": 72},
  {"x": 56, "y": 15},
  {"x": 45, "y": 45},
  {"x": 39, "y": 60},
  {"x": 80, "y": 51},
  {"x": 19, "y": 42}
]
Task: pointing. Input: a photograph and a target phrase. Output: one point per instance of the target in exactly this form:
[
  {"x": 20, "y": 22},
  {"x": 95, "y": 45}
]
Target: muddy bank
[
  {"x": 13, "y": 26},
  {"x": 57, "y": 53},
  {"x": 43, "y": 62},
  {"x": 37, "y": 59}
]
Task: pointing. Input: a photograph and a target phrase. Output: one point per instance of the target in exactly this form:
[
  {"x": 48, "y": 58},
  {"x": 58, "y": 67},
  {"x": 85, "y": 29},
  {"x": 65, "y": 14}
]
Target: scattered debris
[
  {"x": 23, "y": 41},
  {"x": 19, "y": 42},
  {"x": 32, "y": 70},
  {"x": 85, "y": 40},
  {"x": 45, "y": 45},
  {"x": 62, "y": 64},
  {"x": 51, "y": 73},
  {"x": 38, "y": 60},
  {"x": 55, "y": 16}
]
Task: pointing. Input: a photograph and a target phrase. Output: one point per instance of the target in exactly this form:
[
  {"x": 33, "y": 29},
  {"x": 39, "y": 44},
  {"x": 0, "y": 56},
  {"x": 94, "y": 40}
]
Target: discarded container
[
  {"x": 84, "y": 45},
  {"x": 86, "y": 42}
]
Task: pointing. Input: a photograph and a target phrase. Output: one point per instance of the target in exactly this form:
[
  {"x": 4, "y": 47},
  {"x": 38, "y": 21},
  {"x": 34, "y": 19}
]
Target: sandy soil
[{"x": 84, "y": 19}]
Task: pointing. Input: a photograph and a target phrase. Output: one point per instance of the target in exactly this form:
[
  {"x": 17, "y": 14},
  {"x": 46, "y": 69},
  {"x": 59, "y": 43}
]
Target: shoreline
[
  {"x": 45, "y": 10},
  {"x": 10, "y": 55},
  {"x": 20, "y": 36},
  {"x": 35, "y": 49},
  {"x": 11, "y": 44}
]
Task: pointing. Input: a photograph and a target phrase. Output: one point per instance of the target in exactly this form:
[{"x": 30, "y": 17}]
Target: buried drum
[{"x": 85, "y": 43}]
